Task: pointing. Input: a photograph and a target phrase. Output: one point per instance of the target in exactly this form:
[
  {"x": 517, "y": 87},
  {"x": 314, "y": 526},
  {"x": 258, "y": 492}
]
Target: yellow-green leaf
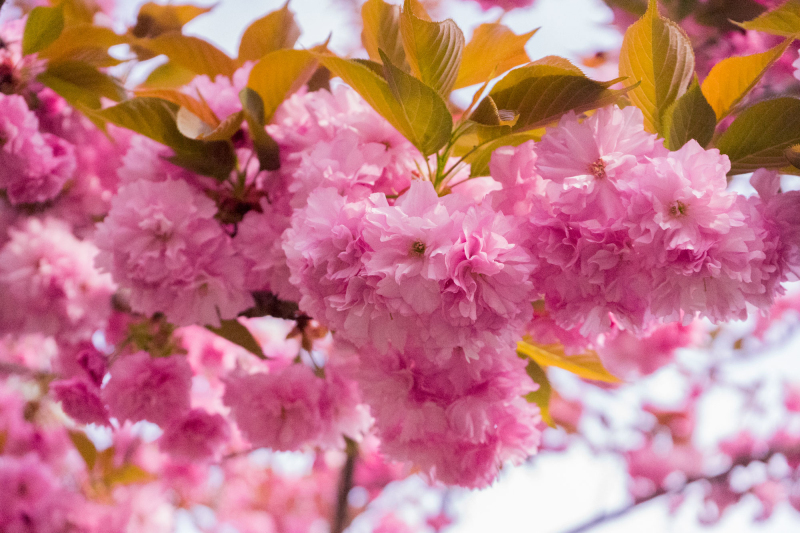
[
  {"x": 266, "y": 148},
  {"x": 237, "y": 333},
  {"x": 43, "y": 27},
  {"x": 540, "y": 396},
  {"x": 760, "y": 135},
  {"x": 81, "y": 84},
  {"x": 546, "y": 89},
  {"x": 275, "y": 31},
  {"x": 381, "y": 31},
  {"x": 199, "y": 108},
  {"x": 154, "y": 19},
  {"x": 192, "y": 53},
  {"x": 86, "y": 43},
  {"x": 783, "y": 20},
  {"x": 278, "y": 74},
  {"x": 422, "y": 118},
  {"x": 128, "y": 474},
  {"x": 689, "y": 117},
  {"x": 430, "y": 122},
  {"x": 480, "y": 158},
  {"x": 226, "y": 129},
  {"x": 586, "y": 365},
  {"x": 733, "y": 78},
  {"x": 657, "y": 53},
  {"x": 168, "y": 76},
  {"x": 85, "y": 447},
  {"x": 492, "y": 50},
  {"x": 433, "y": 50}
]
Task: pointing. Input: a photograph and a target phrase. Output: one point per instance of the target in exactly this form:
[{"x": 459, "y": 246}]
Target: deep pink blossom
[
  {"x": 80, "y": 400},
  {"x": 196, "y": 436}
]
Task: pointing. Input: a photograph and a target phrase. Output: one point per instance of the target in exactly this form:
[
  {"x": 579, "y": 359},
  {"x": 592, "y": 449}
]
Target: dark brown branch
[{"x": 340, "y": 517}]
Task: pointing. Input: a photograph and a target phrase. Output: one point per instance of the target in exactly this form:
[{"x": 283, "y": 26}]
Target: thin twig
[{"x": 340, "y": 517}]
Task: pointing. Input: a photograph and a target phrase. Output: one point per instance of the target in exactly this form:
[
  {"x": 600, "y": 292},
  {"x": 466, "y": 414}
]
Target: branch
[
  {"x": 740, "y": 461},
  {"x": 340, "y": 521}
]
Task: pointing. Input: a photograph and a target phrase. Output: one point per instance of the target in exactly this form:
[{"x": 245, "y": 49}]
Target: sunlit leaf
[
  {"x": 192, "y": 53},
  {"x": 432, "y": 49},
  {"x": 415, "y": 109},
  {"x": 657, "y": 53},
  {"x": 80, "y": 83},
  {"x": 128, "y": 474},
  {"x": 540, "y": 396},
  {"x": 167, "y": 76},
  {"x": 689, "y": 117},
  {"x": 85, "y": 447},
  {"x": 480, "y": 158},
  {"x": 784, "y": 20},
  {"x": 226, "y": 129},
  {"x": 155, "y": 19},
  {"x": 275, "y": 31},
  {"x": 586, "y": 365},
  {"x": 381, "y": 31},
  {"x": 760, "y": 135},
  {"x": 278, "y": 74},
  {"x": 733, "y": 78},
  {"x": 199, "y": 108},
  {"x": 492, "y": 50},
  {"x": 266, "y": 148},
  {"x": 546, "y": 89},
  {"x": 86, "y": 43},
  {"x": 237, "y": 333},
  {"x": 43, "y": 27}
]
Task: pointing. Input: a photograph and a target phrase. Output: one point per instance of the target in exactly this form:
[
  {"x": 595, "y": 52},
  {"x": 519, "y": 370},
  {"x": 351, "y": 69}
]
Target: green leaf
[
  {"x": 784, "y": 20},
  {"x": 493, "y": 50},
  {"x": 83, "y": 42},
  {"x": 237, "y": 333},
  {"x": 657, "y": 53},
  {"x": 423, "y": 119},
  {"x": 546, "y": 89},
  {"x": 690, "y": 117},
  {"x": 760, "y": 135},
  {"x": 433, "y": 50},
  {"x": 586, "y": 365},
  {"x": 85, "y": 447},
  {"x": 733, "y": 78},
  {"x": 430, "y": 122},
  {"x": 275, "y": 31},
  {"x": 168, "y": 76},
  {"x": 381, "y": 22},
  {"x": 226, "y": 129},
  {"x": 480, "y": 158},
  {"x": 156, "y": 118},
  {"x": 44, "y": 26},
  {"x": 540, "y": 396},
  {"x": 278, "y": 74},
  {"x": 156, "y": 19},
  {"x": 81, "y": 84},
  {"x": 199, "y": 108},
  {"x": 792, "y": 155},
  {"x": 266, "y": 148},
  {"x": 191, "y": 53}
]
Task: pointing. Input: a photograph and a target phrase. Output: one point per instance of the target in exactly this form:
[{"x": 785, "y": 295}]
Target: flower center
[
  {"x": 418, "y": 248},
  {"x": 678, "y": 210},
  {"x": 598, "y": 169}
]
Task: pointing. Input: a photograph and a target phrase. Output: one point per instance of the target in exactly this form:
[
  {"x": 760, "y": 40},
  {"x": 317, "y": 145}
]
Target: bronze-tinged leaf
[
  {"x": 86, "y": 43},
  {"x": 493, "y": 50},
  {"x": 235, "y": 332},
  {"x": 432, "y": 49},
  {"x": 760, "y": 135},
  {"x": 43, "y": 27},
  {"x": 784, "y": 20},
  {"x": 792, "y": 155},
  {"x": 280, "y": 73},
  {"x": 546, "y": 89},
  {"x": 168, "y": 76},
  {"x": 266, "y": 148},
  {"x": 733, "y": 78},
  {"x": 690, "y": 117},
  {"x": 657, "y": 53},
  {"x": 586, "y": 365},
  {"x": 81, "y": 84},
  {"x": 191, "y": 53},
  {"x": 128, "y": 474},
  {"x": 275, "y": 31},
  {"x": 381, "y": 31},
  {"x": 199, "y": 108},
  {"x": 85, "y": 447},
  {"x": 155, "y": 19}
]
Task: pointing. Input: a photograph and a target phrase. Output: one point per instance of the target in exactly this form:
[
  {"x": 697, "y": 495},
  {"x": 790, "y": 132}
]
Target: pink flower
[
  {"x": 506, "y": 5},
  {"x": 161, "y": 241},
  {"x": 33, "y": 166},
  {"x": 81, "y": 401},
  {"x": 796, "y": 66},
  {"x": 196, "y": 436},
  {"x": 221, "y": 94},
  {"x": 782, "y": 220},
  {"x": 628, "y": 355},
  {"x": 32, "y": 497},
  {"x": 146, "y": 388},
  {"x": 49, "y": 283}
]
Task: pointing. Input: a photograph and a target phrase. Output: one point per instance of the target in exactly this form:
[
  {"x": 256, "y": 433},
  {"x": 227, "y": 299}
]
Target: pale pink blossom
[{"x": 627, "y": 355}]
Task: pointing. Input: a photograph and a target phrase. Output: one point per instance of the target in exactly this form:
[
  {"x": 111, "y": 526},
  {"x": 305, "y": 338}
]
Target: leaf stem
[{"x": 340, "y": 518}]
